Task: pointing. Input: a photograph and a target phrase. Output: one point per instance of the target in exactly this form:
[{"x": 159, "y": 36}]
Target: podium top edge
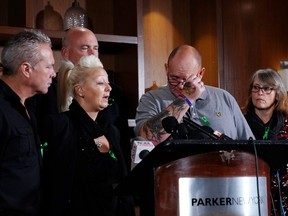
[{"x": 236, "y": 142}]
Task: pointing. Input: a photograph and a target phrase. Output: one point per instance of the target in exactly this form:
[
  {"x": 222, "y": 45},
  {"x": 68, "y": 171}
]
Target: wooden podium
[{"x": 204, "y": 177}]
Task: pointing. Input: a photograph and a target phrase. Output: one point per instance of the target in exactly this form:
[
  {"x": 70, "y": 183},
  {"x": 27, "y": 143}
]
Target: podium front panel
[
  {"x": 222, "y": 195},
  {"x": 232, "y": 172}
]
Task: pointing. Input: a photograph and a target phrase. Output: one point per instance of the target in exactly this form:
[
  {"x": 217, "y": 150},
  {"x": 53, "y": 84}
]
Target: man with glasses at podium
[{"x": 186, "y": 97}]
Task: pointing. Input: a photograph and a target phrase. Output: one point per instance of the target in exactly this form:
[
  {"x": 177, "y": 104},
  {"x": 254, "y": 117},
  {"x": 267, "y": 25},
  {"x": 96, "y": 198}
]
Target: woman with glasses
[
  {"x": 267, "y": 106},
  {"x": 267, "y": 111}
]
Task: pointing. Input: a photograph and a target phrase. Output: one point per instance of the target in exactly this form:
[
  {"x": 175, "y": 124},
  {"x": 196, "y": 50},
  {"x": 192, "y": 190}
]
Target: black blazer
[{"x": 69, "y": 171}]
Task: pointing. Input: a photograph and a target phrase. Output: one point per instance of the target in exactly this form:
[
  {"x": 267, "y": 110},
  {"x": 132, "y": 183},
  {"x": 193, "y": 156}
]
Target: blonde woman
[{"x": 84, "y": 162}]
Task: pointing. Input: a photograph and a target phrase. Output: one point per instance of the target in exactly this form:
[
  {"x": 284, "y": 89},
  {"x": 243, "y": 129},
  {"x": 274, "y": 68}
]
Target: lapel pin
[{"x": 218, "y": 114}]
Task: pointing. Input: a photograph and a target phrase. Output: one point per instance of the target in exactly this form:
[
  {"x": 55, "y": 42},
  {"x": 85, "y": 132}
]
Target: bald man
[
  {"x": 79, "y": 42},
  {"x": 187, "y": 96}
]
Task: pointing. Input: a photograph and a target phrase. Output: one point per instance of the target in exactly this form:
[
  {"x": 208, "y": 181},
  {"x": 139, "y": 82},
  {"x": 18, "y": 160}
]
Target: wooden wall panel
[
  {"x": 101, "y": 16},
  {"x": 157, "y": 40},
  {"x": 126, "y": 74},
  {"x": 8, "y": 11},
  {"x": 204, "y": 37},
  {"x": 127, "y": 25},
  {"x": 166, "y": 25},
  {"x": 254, "y": 37}
]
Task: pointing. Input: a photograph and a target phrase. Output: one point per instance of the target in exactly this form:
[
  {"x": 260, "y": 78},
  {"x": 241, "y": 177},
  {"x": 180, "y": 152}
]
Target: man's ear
[
  {"x": 64, "y": 52},
  {"x": 166, "y": 68},
  {"x": 26, "y": 69},
  {"x": 201, "y": 72}
]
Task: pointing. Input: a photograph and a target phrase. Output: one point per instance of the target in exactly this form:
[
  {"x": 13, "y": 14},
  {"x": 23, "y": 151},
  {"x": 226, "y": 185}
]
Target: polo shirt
[{"x": 216, "y": 106}]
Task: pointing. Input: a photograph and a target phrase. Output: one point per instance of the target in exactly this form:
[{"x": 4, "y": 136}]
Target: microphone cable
[
  {"x": 272, "y": 203},
  {"x": 257, "y": 173},
  {"x": 280, "y": 195}
]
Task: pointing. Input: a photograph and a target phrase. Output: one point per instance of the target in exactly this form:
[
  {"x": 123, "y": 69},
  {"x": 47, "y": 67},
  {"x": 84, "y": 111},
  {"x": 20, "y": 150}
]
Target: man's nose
[
  {"x": 181, "y": 83},
  {"x": 53, "y": 74},
  {"x": 92, "y": 52}
]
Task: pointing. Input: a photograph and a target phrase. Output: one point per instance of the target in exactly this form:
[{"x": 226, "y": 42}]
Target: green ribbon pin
[
  {"x": 205, "y": 120},
  {"x": 42, "y": 146},
  {"x": 111, "y": 153},
  {"x": 265, "y": 136}
]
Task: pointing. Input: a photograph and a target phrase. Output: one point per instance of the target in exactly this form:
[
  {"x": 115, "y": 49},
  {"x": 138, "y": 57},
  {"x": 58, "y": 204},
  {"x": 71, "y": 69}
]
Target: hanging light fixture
[{"x": 75, "y": 16}]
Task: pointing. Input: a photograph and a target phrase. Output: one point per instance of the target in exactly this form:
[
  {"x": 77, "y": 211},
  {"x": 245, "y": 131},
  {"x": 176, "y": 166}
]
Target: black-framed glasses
[
  {"x": 176, "y": 82},
  {"x": 264, "y": 89}
]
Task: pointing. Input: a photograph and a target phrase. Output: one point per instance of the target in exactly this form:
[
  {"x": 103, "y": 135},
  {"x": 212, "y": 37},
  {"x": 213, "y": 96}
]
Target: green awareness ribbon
[
  {"x": 42, "y": 146},
  {"x": 111, "y": 153},
  {"x": 205, "y": 120},
  {"x": 265, "y": 136}
]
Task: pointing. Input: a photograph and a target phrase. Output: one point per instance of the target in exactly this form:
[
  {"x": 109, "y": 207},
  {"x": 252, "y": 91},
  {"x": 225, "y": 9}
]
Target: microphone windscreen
[
  {"x": 143, "y": 153},
  {"x": 140, "y": 149},
  {"x": 169, "y": 123}
]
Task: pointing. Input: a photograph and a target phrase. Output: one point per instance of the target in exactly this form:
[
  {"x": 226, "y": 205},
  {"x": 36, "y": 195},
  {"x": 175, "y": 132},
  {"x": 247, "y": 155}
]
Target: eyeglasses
[
  {"x": 264, "y": 89},
  {"x": 173, "y": 81},
  {"x": 176, "y": 82}
]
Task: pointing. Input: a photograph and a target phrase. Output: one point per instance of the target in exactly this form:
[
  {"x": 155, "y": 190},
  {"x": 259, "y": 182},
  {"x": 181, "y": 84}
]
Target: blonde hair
[{"x": 70, "y": 75}]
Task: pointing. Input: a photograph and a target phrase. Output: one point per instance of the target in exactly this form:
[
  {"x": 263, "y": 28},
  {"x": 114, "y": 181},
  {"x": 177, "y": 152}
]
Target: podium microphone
[
  {"x": 215, "y": 135},
  {"x": 177, "y": 131},
  {"x": 140, "y": 149},
  {"x": 170, "y": 125}
]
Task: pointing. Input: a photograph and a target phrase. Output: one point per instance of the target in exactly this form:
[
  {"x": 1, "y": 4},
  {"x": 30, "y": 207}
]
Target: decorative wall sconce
[
  {"x": 75, "y": 16},
  {"x": 49, "y": 19}
]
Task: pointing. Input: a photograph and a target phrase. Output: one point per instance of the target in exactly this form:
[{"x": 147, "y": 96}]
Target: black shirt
[
  {"x": 20, "y": 158},
  {"x": 80, "y": 179},
  {"x": 258, "y": 127}
]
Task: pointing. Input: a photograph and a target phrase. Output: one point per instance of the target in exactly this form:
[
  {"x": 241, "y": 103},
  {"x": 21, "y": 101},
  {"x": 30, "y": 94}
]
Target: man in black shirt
[{"x": 27, "y": 69}]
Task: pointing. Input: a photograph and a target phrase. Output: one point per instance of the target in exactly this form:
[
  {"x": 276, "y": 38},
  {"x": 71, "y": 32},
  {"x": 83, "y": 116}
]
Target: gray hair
[
  {"x": 23, "y": 47},
  {"x": 273, "y": 79}
]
